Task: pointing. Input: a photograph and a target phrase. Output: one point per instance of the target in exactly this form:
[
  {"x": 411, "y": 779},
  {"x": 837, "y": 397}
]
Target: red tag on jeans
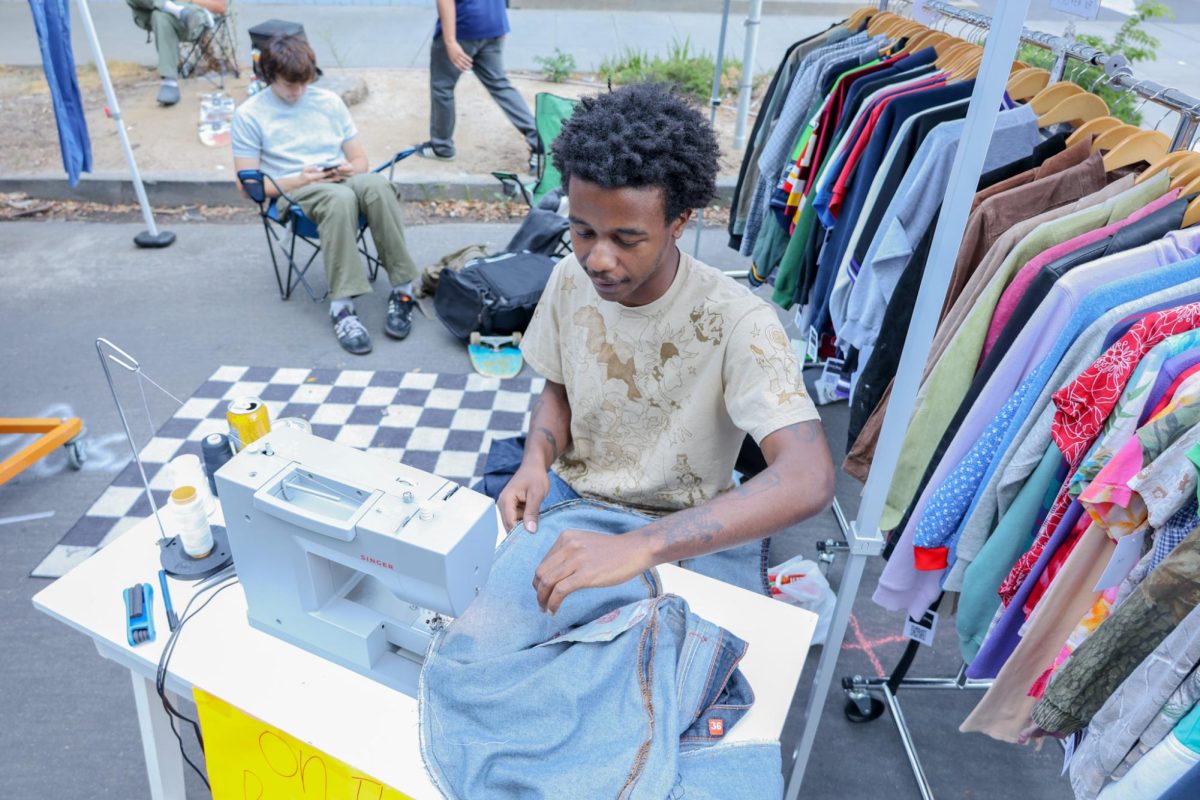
[{"x": 716, "y": 727}]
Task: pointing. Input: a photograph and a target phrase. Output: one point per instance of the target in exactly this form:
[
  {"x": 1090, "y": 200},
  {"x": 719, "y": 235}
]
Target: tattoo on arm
[
  {"x": 805, "y": 432},
  {"x": 544, "y": 431},
  {"x": 697, "y": 526}
]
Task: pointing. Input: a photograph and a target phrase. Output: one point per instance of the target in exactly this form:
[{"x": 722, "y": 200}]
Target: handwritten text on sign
[
  {"x": 1088, "y": 9},
  {"x": 248, "y": 759}
]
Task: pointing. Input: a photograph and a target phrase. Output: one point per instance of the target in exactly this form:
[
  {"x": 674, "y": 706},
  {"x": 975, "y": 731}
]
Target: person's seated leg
[
  {"x": 379, "y": 200},
  {"x": 334, "y": 207},
  {"x": 174, "y": 22}
]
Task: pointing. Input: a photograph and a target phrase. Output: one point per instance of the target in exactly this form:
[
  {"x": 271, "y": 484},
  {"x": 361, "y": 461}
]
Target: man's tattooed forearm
[
  {"x": 761, "y": 483},
  {"x": 550, "y": 437},
  {"x": 697, "y": 526}
]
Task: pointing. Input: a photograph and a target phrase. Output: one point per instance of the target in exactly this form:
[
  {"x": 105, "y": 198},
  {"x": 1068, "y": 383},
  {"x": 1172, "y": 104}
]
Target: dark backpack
[{"x": 495, "y": 296}]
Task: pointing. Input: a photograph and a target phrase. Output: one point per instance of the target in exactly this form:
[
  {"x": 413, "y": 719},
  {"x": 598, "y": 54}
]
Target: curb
[{"x": 113, "y": 188}]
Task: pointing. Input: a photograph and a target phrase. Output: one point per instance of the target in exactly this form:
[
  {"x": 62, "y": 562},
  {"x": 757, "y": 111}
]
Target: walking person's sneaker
[
  {"x": 427, "y": 150},
  {"x": 168, "y": 94},
  {"x": 399, "y": 314},
  {"x": 350, "y": 332}
]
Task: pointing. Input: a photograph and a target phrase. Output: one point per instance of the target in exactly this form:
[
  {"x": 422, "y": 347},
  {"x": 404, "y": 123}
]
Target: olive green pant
[
  {"x": 335, "y": 207},
  {"x": 168, "y": 32}
]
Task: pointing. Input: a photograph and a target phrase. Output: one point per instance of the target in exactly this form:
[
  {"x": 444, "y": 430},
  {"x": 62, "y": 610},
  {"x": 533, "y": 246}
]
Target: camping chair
[
  {"x": 282, "y": 230},
  {"x": 549, "y": 113},
  {"x": 214, "y": 51}
]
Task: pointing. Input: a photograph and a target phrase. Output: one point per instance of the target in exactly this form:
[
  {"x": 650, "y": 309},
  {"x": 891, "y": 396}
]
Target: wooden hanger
[
  {"x": 1113, "y": 137},
  {"x": 954, "y": 56},
  {"x": 1093, "y": 127},
  {"x": 1192, "y": 215},
  {"x": 1052, "y": 95},
  {"x": 1076, "y": 109},
  {"x": 879, "y": 22},
  {"x": 1025, "y": 83},
  {"x": 856, "y": 18},
  {"x": 1146, "y": 146},
  {"x": 1167, "y": 162},
  {"x": 1186, "y": 177},
  {"x": 969, "y": 68}
]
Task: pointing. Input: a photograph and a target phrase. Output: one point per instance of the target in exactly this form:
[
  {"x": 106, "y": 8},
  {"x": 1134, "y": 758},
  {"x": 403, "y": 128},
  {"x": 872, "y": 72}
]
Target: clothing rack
[
  {"x": 1116, "y": 70},
  {"x": 862, "y": 535}
]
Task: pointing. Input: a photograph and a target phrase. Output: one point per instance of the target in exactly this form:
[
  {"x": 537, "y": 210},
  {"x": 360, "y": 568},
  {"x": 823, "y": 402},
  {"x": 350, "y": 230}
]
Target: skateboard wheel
[
  {"x": 516, "y": 337},
  {"x": 476, "y": 337}
]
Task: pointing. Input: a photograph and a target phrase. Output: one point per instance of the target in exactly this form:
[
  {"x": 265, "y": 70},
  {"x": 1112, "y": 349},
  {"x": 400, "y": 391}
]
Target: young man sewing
[{"x": 656, "y": 367}]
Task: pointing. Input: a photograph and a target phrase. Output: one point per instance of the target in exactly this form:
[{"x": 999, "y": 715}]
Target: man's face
[
  {"x": 622, "y": 242},
  {"x": 287, "y": 91}
]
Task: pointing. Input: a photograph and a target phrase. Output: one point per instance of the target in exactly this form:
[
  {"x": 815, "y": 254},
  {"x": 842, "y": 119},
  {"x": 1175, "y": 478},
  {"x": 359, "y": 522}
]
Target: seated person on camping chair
[
  {"x": 656, "y": 367},
  {"x": 303, "y": 138},
  {"x": 171, "y": 23}
]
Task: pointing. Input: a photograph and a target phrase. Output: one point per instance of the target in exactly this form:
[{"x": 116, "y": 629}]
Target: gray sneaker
[
  {"x": 426, "y": 150},
  {"x": 350, "y": 333},
  {"x": 168, "y": 95}
]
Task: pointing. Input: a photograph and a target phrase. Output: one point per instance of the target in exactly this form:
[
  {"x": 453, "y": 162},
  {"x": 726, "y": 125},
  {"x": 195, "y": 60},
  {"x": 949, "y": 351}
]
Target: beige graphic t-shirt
[{"x": 662, "y": 395}]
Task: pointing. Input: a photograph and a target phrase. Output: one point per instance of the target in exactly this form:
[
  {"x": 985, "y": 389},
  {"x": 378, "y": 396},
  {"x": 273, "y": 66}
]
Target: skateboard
[{"x": 496, "y": 356}]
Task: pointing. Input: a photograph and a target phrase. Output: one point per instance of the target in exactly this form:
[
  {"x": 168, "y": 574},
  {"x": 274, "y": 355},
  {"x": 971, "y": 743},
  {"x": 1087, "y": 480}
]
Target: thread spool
[
  {"x": 186, "y": 471},
  {"x": 191, "y": 523},
  {"x": 217, "y": 449}
]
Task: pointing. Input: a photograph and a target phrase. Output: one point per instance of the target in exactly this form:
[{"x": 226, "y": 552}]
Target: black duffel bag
[{"x": 495, "y": 296}]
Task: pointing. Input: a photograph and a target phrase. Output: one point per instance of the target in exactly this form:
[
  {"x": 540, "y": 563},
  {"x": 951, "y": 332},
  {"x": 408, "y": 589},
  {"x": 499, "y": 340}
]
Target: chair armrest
[
  {"x": 254, "y": 183},
  {"x": 508, "y": 179},
  {"x": 390, "y": 165}
]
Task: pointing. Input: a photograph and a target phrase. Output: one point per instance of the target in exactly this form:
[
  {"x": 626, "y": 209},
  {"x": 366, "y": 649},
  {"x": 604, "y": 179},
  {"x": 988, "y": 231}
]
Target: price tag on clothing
[
  {"x": 812, "y": 351},
  {"x": 1069, "y": 745},
  {"x": 1124, "y": 559},
  {"x": 1088, "y": 9},
  {"x": 924, "y": 630}
]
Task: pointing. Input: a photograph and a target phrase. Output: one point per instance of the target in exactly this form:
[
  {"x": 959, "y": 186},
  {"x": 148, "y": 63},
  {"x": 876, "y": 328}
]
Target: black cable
[{"x": 164, "y": 660}]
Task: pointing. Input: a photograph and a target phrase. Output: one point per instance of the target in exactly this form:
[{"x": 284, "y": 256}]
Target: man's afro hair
[{"x": 641, "y": 135}]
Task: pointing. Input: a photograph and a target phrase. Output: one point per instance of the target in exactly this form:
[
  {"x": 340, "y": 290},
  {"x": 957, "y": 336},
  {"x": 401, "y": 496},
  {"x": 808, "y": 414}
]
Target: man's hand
[
  {"x": 314, "y": 174},
  {"x": 458, "y": 56},
  {"x": 344, "y": 170},
  {"x": 583, "y": 559},
  {"x": 1034, "y": 731},
  {"x": 522, "y": 498}
]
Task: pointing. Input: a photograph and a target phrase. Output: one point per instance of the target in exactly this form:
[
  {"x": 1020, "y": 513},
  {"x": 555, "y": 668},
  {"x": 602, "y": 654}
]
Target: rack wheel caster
[
  {"x": 77, "y": 451},
  {"x": 856, "y": 715}
]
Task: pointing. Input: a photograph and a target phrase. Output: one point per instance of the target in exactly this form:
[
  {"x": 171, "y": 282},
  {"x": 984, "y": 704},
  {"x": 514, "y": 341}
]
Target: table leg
[{"x": 164, "y": 764}]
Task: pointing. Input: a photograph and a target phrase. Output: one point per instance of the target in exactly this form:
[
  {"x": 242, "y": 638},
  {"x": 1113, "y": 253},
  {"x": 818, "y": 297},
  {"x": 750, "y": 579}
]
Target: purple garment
[
  {"x": 1006, "y": 635},
  {"x": 1172, "y": 368}
]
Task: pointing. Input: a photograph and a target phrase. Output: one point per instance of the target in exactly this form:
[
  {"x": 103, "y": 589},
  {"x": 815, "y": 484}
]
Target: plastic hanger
[
  {"x": 1145, "y": 146},
  {"x": 1093, "y": 127},
  {"x": 1076, "y": 109},
  {"x": 1025, "y": 83},
  {"x": 1113, "y": 137},
  {"x": 1052, "y": 95},
  {"x": 1169, "y": 162}
]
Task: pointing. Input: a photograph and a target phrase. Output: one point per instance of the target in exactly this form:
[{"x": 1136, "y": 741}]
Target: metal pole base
[{"x": 154, "y": 240}]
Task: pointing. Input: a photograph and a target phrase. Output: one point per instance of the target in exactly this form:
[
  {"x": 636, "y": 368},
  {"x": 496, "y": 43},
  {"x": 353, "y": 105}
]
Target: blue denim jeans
[
  {"x": 623, "y": 693},
  {"x": 744, "y": 566}
]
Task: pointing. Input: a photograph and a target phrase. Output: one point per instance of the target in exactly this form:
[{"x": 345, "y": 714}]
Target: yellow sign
[{"x": 248, "y": 759}]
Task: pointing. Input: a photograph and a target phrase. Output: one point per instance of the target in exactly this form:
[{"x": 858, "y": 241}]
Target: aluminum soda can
[
  {"x": 248, "y": 420},
  {"x": 216, "y": 449}
]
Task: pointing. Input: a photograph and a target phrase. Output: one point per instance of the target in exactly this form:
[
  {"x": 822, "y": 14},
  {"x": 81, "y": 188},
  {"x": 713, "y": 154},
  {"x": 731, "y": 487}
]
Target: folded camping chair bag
[{"x": 495, "y": 296}]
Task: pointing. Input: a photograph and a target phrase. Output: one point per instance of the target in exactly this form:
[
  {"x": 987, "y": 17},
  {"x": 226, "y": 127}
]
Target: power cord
[{"x": 214, "y": 586}]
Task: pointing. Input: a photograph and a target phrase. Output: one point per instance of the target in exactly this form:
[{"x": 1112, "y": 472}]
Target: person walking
[{"x": 469, "y": 35}]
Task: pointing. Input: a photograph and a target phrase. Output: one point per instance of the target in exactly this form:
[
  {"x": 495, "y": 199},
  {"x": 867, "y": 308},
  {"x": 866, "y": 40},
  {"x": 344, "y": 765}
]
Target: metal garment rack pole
[
  {"x": 863, "y": 535},
  {"x": 715, "y": 103},
  {"x": 152, "y": 237},
  {"x": 746, "y": 85},
  {"x": 1115, "y": 67}
]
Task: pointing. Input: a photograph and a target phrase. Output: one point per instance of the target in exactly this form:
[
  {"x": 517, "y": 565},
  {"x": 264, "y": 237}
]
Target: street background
[{"x": 69, "y": 725}]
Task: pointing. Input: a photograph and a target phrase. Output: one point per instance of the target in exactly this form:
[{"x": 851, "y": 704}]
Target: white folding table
[{"x": 314, "y": 699}]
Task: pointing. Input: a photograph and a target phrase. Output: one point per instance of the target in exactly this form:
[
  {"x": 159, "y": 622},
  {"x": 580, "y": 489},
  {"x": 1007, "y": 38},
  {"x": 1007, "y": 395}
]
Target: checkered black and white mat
[{"x": 439, "y": 423}]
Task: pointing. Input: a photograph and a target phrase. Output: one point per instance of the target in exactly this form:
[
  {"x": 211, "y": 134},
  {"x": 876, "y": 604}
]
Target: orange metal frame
[{"x": 54, "y": 433}]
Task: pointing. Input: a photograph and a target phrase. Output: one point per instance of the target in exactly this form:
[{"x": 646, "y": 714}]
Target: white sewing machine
[{"x": 349, "y": 555}]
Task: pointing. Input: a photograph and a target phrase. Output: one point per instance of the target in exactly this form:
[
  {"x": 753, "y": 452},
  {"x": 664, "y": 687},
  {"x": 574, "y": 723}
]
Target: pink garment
[
  {"x": 1016, "y": 290},
  {"x": 1111, "y": 484}
]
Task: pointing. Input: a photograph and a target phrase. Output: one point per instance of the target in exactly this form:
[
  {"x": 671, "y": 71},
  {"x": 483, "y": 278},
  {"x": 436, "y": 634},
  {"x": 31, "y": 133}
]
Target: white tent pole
[
  {"x": 746, "y": 86},
  {"x": 968, "y": 162},
  {"x": 151, "y": 237}
]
